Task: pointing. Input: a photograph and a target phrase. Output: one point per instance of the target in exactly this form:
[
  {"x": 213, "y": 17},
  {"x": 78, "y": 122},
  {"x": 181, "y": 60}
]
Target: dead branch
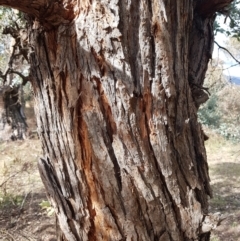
[
  {"x": 221, "y": 47},
  {"x": 15, "y": 174}
]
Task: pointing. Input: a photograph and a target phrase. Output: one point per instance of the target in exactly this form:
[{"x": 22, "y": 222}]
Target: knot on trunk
[{"x": 200, "y": 95}]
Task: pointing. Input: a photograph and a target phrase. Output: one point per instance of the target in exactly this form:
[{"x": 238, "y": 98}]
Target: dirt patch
[
  {"x": 22, "y": 215},
  {"x": 224, "y": 169},
  {"x": 23, "y": 218}
]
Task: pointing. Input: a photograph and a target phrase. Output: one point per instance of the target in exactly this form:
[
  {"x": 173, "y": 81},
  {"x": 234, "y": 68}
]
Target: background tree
[
  {"x": 233, "y": 45},
  {"x": 231, "y": 19},
  {"x": 14, "y": 68},
  {"x": 221, "y": 111},
  {"x": 117, "y": 87}
]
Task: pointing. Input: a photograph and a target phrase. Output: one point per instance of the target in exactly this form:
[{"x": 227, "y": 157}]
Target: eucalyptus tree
[{"x": 117, "y": 86}]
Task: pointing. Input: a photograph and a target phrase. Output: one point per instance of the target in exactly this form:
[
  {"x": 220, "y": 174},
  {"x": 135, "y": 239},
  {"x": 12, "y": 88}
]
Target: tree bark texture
[{"x": 116, "y": 102}]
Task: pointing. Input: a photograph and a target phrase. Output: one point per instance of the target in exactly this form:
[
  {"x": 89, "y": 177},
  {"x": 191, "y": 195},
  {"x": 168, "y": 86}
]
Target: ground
[
  {"x": 224, "y": 168},
  {"x": 25, "y": 214}
]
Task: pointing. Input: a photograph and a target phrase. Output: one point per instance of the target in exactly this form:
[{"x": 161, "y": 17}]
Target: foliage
[
  {"x": 229, "y": 105},
  {"x": 7, "y": 200},
  {"x": 8, "y": 17},
  {"x": 208, "y": 114},
  {"x": 234, "y": 16},
  {"x": 14, "y": 70},
  {"x": 232, "y": 20},
  {"x": 47, "y": 207},
  {"x": 221, "y": 111},
  {"x": 214, "y": 238},
  {"x": 13, "y": 47},
  {"x": 27, "y": 92},
  {"x": 233, "y": 45}
]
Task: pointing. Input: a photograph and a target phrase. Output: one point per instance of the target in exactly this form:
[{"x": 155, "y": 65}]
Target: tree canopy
[{"x": 231, "y": 16}]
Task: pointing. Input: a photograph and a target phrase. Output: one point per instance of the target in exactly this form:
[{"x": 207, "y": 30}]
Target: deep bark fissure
[
  {"x": 141, "y": 216},
  {"x": 202, "y": 32},
  {"x": 117, "y": 169},
  {"x": 133, "y": 40},
  {"x": 62, "y": 92},
  {"x": 198, "y": 153},
  {"x": 117, "y": 222},
  {"x": 180, "y": 173},
  {"x": 134, "y": 135},
  {"x": 165, "y": 191},
  {"x": 147, "y": 223}
]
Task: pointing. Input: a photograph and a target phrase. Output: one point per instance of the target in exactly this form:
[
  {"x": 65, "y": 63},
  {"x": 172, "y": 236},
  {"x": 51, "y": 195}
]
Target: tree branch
[
  {"x": 52, "y": 12},
  {"x": 9, "y": 178},
  {"x": 219, "y": 46},
  {"x": 209, "y": 7},
  {"x": 25, "y": 79},
  {"x": 19, "y": 49}
]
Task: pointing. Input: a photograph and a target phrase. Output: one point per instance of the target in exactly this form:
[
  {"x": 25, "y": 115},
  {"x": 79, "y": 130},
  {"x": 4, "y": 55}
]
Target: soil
[
  {"x": 224, "y": 169},
  {"x": 22, "y": 215},
  {"x": 24, "y": 210},
  {"x": 25, "y": 215}
]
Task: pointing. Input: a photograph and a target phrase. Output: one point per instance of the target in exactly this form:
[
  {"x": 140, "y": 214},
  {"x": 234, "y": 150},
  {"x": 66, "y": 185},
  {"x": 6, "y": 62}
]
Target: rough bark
[{"x": 117, "y": 93}]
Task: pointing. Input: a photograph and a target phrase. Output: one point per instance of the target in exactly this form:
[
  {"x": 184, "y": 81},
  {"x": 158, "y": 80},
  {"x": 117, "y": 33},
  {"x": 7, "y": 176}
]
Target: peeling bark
[{"x": 117, "y": 117}]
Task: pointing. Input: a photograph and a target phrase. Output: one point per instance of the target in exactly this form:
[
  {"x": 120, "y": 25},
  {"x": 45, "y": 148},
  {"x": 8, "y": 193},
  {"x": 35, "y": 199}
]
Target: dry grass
[
  {"x": 224, "y": 168},
  {"x": 21, "y": 190}
]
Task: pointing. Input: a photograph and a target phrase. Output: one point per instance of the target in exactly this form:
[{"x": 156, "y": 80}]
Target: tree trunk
[
  {"x": 13, "y": 125},
  {"x": 117, "y": 91}
]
